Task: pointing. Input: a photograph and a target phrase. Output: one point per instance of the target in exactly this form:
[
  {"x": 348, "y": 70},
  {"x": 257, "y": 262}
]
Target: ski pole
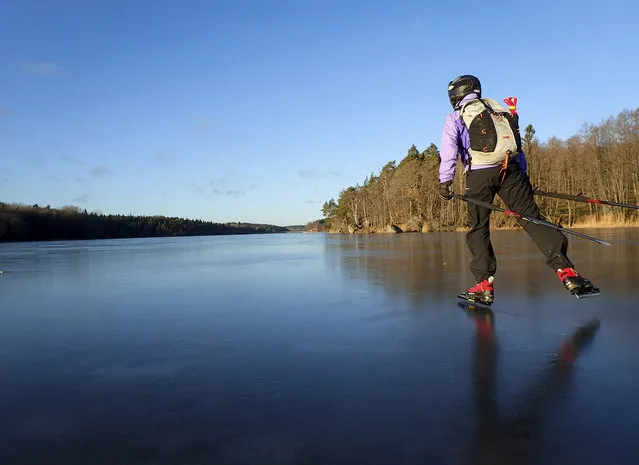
[
  {"x": 519, "y": 216},
  {"x": 583, "y": 198}
]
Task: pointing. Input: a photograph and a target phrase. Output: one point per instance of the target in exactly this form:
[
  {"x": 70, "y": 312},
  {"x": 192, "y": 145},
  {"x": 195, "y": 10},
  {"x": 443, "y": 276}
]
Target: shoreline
[{"x": 598, "y": 225}]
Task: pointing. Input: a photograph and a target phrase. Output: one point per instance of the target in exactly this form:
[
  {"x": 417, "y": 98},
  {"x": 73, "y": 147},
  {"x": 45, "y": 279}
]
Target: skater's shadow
[{"x": 500, "y": 439}]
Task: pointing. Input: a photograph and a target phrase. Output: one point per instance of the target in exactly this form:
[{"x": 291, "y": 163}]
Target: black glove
[{"x": 444, "y": 190}]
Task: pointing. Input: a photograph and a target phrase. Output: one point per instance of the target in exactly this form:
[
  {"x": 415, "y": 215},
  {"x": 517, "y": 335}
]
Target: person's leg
[
  {"x": 517, "y": 194},
  {"x": 480, "y": 184}
]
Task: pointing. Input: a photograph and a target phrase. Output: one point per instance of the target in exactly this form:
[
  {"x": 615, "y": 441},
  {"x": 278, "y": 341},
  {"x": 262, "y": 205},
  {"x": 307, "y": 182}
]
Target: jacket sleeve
[
  {"x": 521, "y": 161},
  {"x": 449, "y": 149}
]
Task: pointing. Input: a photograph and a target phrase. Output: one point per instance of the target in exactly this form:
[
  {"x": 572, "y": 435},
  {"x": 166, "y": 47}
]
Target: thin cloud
[
  {"x": 317, "y": 174},
  {"x": 81, "y": 198},
  {"x": 65, "y": 178},
  {"x": 217, "y": 181},
  {"x": 36, "y": 159},
  {"x": 70, "y": 160},
  {"x": 100, "y": 171},
  {"x": 311, "y": 201},
  {"x": 235, "y": 193},
  {"x": 203, "y": 127},
  {"x": 4, "y": 112},
  {"x": 42, "y": 68},
  {"x": 225, "y": 185},
  {"x": 222, "y": 180},
  {"x": 164, "y": 156}
]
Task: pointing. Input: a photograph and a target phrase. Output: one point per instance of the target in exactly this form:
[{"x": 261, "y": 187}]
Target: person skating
[{"x": 484, "y": 136}]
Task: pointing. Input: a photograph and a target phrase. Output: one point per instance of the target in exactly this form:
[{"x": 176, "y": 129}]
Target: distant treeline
[
  {"x": 322, "y": 225},
  {"x": 600, "y": 162},
  {"x": 19, "y": 223}
]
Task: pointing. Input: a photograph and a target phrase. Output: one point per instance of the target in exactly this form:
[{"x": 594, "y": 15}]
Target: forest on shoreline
[
  {"x": 600, "y": 162},
  {"x": 22, "y": 223}
]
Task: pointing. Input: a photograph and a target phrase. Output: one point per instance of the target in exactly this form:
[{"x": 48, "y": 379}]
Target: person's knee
[
  {"x": 478, "y": 235},
  {"x": 525, "y": 206}
]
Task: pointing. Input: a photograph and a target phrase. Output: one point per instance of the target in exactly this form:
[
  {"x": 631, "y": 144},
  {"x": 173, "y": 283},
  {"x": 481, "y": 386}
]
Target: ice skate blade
[
  {"x": 471, "y": 305},
  {"x": 585, "y": 295}
]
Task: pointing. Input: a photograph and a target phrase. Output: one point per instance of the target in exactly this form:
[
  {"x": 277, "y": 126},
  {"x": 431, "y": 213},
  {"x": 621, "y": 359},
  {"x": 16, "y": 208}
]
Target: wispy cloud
[
  {"x": 311, "y": 201},
  {"x": 317, "y": 174},
  {"x": 98, "y": 171},
  {"x": 203, "y": 126},
  {"x": 163, "y": 156},
  {"x": 4, "y": 112},
  {"x": 223, "y": 180},
  {"x": 65, "y": 178},
  {"x": 235, "y": 193},
  {"x": 67, "y": 159},
  {"x": 81, "y": 198},
  {"x": 42, "y": 68},
  {"x": 229, "y": 185},
  {"x": 36, "y": 159}
]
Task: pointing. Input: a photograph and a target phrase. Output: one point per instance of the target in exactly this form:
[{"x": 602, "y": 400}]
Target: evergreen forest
[{"x": 20, "y": 223}]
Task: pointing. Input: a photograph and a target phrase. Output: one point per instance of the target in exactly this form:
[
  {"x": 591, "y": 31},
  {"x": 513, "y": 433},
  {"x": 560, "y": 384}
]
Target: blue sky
[{"x": 260, "y": 111}]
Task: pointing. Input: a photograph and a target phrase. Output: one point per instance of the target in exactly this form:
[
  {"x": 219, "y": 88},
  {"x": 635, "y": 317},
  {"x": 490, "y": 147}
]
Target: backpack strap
[
  {"x": 487, "y": 106},
  {"x": 463, "y": 107}
]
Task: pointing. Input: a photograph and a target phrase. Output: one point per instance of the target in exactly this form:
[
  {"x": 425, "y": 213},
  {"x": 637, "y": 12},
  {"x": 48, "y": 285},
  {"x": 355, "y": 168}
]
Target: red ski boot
[
  {"x": 575, "y": 283},
  {"x": 481, "y": 293}
]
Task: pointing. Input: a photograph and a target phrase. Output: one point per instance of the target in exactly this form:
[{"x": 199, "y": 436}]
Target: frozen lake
[{"x": 315, "y": 349}]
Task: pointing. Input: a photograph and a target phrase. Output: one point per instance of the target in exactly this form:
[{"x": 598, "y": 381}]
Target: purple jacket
[{"x": 456, "y": 142}]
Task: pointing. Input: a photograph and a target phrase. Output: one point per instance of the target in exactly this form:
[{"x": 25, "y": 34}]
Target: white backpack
[{"x": 493, "y": 130}]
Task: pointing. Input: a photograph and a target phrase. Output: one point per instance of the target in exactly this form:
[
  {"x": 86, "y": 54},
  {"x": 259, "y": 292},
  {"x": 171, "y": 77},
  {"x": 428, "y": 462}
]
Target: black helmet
[{"x": 461, "y": 87}]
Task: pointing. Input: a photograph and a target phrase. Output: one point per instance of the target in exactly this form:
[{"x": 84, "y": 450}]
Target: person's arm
[{"x": 449, "y": 150}]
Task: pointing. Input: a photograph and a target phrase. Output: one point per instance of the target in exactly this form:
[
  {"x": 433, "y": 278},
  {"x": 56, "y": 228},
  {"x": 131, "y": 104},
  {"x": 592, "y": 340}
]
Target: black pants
[{"x": 516, "y": 192}]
